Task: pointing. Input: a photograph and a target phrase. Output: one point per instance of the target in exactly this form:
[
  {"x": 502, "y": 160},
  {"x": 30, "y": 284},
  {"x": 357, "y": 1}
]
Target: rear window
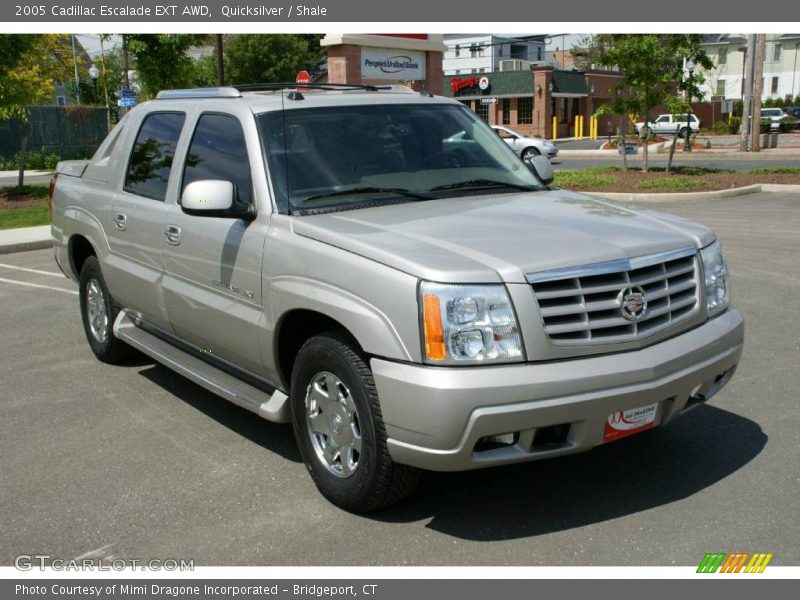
[{"x": 152, "y": 155}]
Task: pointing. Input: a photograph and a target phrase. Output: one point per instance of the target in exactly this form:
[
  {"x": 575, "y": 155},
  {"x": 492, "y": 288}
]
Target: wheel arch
[
  {"x": 79, "y": 249},
  {"x": 294, "y": 329}
]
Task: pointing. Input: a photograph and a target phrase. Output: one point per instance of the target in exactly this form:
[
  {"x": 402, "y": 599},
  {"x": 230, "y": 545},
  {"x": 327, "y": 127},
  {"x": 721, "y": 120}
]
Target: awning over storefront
[
  {"x": 498, "y": 84},
  {"x": 569, "y": 84}
]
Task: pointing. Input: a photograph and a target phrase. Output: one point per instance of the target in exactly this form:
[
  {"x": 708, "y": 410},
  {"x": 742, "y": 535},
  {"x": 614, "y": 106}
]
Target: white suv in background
[
  {"x": 774, "y": 116},
  {"x": 671, "y": 123}
]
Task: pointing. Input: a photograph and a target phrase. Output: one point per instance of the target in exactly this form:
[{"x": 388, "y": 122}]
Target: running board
[{"x": 273, "y": 408}]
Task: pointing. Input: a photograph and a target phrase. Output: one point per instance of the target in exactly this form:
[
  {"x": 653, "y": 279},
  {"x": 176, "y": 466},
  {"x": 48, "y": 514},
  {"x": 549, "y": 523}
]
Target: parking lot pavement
[{"x": 137, "y": 462}]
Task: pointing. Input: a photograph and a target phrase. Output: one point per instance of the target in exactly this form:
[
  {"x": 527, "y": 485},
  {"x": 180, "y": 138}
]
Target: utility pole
[
  {"x": 747, "y": 94},
  {"x": 75, "y": 67},
  {"x": 758, "y": 85},
  {"x": 220, "y": 63},
  {"x": 125, "y": 60},
  {"x": 105, "y": 80}
]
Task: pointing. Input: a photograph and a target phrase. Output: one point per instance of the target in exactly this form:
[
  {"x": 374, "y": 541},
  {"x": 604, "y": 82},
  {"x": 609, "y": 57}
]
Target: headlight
[
  {"x": 468, "y": 323},
  {"x": 718, "y": 289}
]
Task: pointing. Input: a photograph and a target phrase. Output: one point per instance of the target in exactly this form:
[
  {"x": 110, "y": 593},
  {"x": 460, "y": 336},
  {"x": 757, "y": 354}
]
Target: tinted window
[
  {"x": 329, "y": 157},
  {"x": 152, "y": 155},
  {"x": 218, "y": 151}
]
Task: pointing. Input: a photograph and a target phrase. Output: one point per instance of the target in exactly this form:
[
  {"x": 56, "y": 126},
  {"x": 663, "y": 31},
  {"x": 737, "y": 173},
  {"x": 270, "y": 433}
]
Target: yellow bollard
[
  {"x": 555, "y": 128},
  {"x": 578, "y": 127},
  {"x": 581, "y": 126}
]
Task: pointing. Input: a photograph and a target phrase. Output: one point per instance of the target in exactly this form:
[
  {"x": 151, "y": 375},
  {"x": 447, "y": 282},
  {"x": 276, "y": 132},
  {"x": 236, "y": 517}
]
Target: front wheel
[
  {"x": 98, "y": 314},
  {"x": 339, "y": 429},
  {"x": 529, "y": 153},
  {"x": 683, "y": 132}
]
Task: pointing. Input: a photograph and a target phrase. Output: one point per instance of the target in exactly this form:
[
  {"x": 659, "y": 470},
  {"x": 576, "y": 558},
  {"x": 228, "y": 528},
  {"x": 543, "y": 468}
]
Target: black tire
[
  {"x": 108, "y": 349},
  {"x": 682, "y": 133},
  {"x": 531, "y": 151},
  {"x": 376, "y": 481}
]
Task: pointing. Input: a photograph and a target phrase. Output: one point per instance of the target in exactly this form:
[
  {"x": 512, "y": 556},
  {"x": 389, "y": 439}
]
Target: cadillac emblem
[{"x": 633, "y": 303}]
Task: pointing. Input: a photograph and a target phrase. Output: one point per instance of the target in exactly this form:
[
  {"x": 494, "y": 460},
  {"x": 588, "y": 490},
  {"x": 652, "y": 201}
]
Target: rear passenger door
[
  {"x": 135, "y": 233},
  {"x": 212, "y": 284}
]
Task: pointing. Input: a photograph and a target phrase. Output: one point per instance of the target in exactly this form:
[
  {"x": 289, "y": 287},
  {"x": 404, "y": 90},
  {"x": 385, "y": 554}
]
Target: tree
[
  {"x": 28, "y": 66},
  {"x": 652, "y": 69},
  {"x": 253, "y": 58},
  {"x": 161, "y": 60}
]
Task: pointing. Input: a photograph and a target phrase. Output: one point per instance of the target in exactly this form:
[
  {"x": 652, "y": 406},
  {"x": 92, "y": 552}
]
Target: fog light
[{"x": 504, "y": 438}]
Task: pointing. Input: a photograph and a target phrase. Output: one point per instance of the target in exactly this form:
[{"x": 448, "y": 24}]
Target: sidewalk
[
  {"x": 730, "y": 152},
  {"x": 24, "y": 239}
]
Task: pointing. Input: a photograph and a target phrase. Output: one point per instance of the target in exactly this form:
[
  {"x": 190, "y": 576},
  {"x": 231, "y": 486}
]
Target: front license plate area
[{"x": 623, "y": 423}]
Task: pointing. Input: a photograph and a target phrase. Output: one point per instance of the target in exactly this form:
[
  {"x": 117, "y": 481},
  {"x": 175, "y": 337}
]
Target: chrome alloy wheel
[
  {"x": 333, "y": 424},
  {"x": 96, "y": 310}
]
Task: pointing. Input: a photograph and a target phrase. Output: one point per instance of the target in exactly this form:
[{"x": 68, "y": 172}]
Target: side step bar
[{"x": 273, "y": 408}]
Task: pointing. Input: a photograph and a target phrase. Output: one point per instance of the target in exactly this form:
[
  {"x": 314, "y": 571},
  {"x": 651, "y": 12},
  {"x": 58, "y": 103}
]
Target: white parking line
[
  {"x": 27, "y": 270},
  {"x": 36, "y": 285}
]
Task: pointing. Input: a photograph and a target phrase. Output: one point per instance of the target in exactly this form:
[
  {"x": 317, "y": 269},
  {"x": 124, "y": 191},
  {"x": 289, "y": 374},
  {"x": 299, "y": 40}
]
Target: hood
[{"x": 500, "y": 237}]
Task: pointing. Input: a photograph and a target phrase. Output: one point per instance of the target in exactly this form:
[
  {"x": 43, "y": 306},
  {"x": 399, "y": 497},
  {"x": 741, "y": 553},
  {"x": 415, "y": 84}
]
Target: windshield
[{"x": 347, "y": 157}]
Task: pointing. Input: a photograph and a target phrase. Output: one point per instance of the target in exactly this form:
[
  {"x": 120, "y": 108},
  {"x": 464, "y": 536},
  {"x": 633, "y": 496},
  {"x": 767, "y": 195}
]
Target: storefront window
[
  {"x": 562, "y": 110},
  {"x": 482, "y": 110},
  {"x": 524, "y": 111},
  {"x": 506, "y": 111}
]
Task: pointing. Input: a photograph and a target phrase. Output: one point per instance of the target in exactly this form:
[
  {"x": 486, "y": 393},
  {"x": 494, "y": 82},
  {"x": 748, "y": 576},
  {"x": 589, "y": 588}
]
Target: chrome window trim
[{"x": 612, "y": 266}]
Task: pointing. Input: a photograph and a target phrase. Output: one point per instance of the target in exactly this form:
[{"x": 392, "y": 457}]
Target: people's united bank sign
[{"x": 385, "y": 63}]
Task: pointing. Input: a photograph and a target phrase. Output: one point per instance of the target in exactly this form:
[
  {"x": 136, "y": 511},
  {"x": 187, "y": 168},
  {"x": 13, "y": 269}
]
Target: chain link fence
[{"x": 68, "y": 131}]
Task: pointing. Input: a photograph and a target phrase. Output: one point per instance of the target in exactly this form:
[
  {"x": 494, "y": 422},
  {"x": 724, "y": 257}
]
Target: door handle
[
  {"x": 120, "y": 221},
  {"x": 173, "y": 234}
]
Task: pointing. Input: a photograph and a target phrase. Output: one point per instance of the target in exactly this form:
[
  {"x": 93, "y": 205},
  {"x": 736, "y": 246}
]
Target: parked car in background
[
  {"x": 774, "y": 116},
  {"x": 526, "y": 147},
  {"x": 671, "y": 123},
  {"x": 793, "y": 111}
]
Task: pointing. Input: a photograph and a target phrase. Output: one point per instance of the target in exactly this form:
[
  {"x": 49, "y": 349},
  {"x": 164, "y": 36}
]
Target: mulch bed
[
  {"x": 626, "y": 181},
  {"x": 8, "y": 201}
]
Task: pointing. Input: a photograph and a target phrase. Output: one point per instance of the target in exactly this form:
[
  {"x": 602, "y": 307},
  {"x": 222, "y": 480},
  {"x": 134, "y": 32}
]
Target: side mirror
[
  {"x": 541, "y": 167},
  {"x": 213, "y": 198}
]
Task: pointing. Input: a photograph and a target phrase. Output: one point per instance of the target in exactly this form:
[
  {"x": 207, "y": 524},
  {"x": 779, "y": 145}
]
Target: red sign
[
  {"x": 458, "y": 84},
  {"x": 302, "y": 77}
]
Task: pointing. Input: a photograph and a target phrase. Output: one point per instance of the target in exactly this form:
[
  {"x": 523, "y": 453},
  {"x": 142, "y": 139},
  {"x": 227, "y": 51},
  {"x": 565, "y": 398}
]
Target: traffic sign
[
  {"x": 488, "y": 100},
  {"x": 302, "y": 77}
]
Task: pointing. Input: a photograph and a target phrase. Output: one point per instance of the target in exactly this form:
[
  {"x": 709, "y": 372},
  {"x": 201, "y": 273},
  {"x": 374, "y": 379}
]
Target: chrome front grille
[{"x": 583, "y": 305}]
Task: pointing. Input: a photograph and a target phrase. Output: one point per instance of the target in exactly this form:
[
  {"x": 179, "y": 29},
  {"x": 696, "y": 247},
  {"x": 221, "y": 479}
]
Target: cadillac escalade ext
[{"x": 377, "y": 267}]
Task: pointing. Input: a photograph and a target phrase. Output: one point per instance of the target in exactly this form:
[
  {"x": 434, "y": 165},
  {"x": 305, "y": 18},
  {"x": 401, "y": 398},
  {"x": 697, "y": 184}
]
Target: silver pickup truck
[{"x": 332, "y": 258}]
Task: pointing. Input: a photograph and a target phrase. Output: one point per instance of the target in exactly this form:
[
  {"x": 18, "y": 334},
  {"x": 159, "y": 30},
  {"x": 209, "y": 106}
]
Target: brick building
[{"x": 527, "y": 100}]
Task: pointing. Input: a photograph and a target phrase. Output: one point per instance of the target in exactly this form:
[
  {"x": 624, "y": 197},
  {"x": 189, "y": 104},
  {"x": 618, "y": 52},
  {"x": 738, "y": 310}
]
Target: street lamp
[
  {"x": 688, "y": 145},
  {"x": 94, "y": 73}
]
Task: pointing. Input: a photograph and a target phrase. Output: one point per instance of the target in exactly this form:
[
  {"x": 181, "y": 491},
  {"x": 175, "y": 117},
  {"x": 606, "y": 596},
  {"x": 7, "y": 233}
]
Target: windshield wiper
[
  {"x": 482, "y": 183},
  {"x": 368, "y": 190}
]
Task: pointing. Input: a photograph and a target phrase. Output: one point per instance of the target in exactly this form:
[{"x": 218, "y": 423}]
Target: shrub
[
  {"x": 720, "y": 127},
  {"x": 733, "y": 124}
]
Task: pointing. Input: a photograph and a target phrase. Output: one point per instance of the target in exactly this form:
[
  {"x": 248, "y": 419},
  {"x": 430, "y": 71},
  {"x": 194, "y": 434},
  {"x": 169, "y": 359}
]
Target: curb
[
  {"x": 25, "y": 246},
  {"x": 25, "y": 239},
  {"x": 693, "y": 196}
]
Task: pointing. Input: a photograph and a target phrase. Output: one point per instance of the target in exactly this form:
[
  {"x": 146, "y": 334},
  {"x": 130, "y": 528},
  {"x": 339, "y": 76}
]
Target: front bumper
[
  {"x": 440, "y": 418},
  {"x": 551, "y": 152}
]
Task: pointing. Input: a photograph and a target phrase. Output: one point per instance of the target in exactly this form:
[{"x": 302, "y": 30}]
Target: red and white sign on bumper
[{"x": 627, "y": 422}]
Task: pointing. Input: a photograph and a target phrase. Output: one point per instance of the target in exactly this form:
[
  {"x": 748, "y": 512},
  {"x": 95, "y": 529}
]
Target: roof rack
[
  {"x": 263, "y": 87},
  {"x": 209, "y": 92}
]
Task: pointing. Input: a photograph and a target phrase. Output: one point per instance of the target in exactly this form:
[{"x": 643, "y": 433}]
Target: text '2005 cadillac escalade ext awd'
[{"x": 376, "y": 266}]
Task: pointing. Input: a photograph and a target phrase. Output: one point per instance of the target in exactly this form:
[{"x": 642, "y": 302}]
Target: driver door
[{"x": 212, "y": 282}]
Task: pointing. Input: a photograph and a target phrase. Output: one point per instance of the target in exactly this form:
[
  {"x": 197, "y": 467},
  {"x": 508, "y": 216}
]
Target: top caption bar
[{"x": 384, "y": 11}]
